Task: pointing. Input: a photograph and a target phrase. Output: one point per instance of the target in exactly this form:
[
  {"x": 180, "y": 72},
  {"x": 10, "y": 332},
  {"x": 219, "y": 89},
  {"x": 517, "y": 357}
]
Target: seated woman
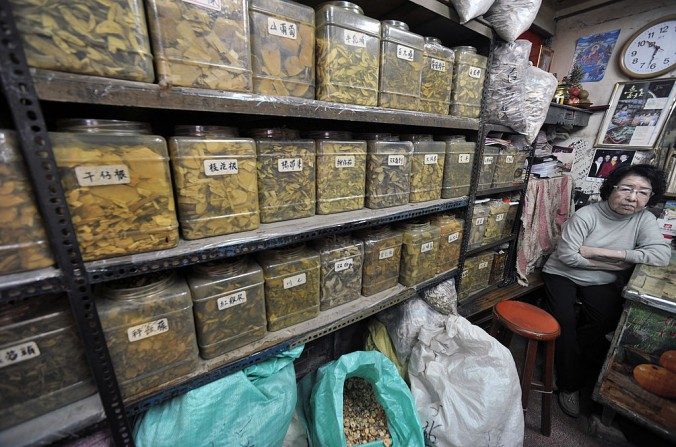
[{"x": 599, "y": 243}]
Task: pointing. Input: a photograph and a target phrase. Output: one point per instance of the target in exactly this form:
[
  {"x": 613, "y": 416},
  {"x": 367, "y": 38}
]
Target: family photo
[{"x": 605, "y": 161}]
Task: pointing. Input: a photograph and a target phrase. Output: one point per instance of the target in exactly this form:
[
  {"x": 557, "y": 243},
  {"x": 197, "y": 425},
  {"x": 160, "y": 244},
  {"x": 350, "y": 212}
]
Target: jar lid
[
  {"x": 416, "y": 137},
  {"x": 204, "y": 131},
  {"x": 269, "y": 132},
  {"x": 352, "y": 7},
  {"x": 465, "y": 49},
  {"x": 230, "y": 267},
  {"x": 286, "y": 251},
  {"x": 434, "y": 40},
  {"x": 416, "y": 224},
  {"x": 138, "y": 287},
  {"x": 378, "y": 136},
  {"x": 328, "y": 135},
  {"x": 396, "y": 24},
  {"x": 88, "y": 125}
]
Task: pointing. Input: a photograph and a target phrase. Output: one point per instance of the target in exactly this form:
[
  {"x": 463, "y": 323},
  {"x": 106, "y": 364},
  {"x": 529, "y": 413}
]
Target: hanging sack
[
  {"x": 540, "y": 89},
  {"x": 470, "y": 9},
  {"x": 511, "y": 18}
]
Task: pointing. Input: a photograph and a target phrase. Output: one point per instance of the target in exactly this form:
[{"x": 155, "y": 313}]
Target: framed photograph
[
  {"x": 545, "y": 58},
  {"x": 606, "y": 161},
  {"x": 637, "y": 113}
]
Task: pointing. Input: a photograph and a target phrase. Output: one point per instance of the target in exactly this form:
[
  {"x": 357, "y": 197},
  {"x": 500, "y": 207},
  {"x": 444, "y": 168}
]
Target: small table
[{"x": 646, "y": 329}]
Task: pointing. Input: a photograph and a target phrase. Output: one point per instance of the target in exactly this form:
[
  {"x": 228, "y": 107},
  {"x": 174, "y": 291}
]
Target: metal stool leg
[
  {"x": 527, "y": 374},
  {"x": 548, "y": 379}
]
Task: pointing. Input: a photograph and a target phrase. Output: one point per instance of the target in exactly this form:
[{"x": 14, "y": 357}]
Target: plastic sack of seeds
[
  {"x": 540, "y": 88},
  {"x": 510, "y": 18},
  {"x": 263, "y": 394},
  {"x": 442, "y": 297},
  {"x": 470, "y": 9},
  {"x": 506, "y": 91},
  {"x": 466, "y": 387}
]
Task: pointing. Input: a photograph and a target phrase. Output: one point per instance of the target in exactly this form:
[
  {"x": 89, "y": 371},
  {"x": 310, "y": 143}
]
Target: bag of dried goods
[
  {"x": 510, "y": 18},
  {"x": 540, "y": 88},
  {"x": 470, "y": 9}
]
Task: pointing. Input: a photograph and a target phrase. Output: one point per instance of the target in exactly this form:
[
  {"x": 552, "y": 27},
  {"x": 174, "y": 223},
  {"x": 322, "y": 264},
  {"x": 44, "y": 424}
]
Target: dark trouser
[{"x": 581, "y": 348}]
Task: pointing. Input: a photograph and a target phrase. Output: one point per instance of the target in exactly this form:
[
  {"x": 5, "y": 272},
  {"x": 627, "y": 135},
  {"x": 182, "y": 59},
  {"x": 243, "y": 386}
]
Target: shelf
[
  {"x": 499, "y": 128},
  {"x": 489, "y": 246},
  {"x": 267, "y": 236},
  {"x": 485, "y": 299},
  {"x": 276, "y": 342},
  {"x": 490, "y": 192},
  {"x": 31, "y": 283},
  {"x": 73, "y": 88}
]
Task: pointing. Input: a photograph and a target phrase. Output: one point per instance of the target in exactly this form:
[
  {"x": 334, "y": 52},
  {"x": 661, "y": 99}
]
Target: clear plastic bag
[
  {"x": 510, "y": 18},
  {"x": 540, "y": 89},
  {"x": 470, "y": 9}
]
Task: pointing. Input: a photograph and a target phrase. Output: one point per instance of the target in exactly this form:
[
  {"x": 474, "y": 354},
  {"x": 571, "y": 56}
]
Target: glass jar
[
  {"x": 487, "y": 168},
  {"x": 23, "y": 241},
  {"x": 291, "y": 285},
  {"x": 505, "y": 167},
  {"x": 149, "y": 328},
  {"x": 478, "y": 272},
  {"x": 478, "y": 227},
  {"x": 107, "y": 38},
  {"x": 457, "y": 167},
  {"x": 388, "y": 171},
  {"x": 201, "y": 43},
  {"x": 42, "y": 361},
  {"x": 348, "y": 54},
  {"x": 341, "y": 171},
  {"x": 116, "y": 179},
  {"x": 520, "y": 164},
  {"x": 340, "y": 275},
  {"x": 401, "y": 61},
  {"x": 286, "y": 175},
  {"x": 215, "y": 179},
  {"x": 498, "y": 267},
  {"x": 510, "y": 218},
  {"x": 450, "y": 240},
  {"x": 382, "y": 254},
  {"x": 469, "y": 71},
  {"x": 495, "y": 222},
  {"x": 427, "y": 168},
  {"x": 229, "y": 305},
  {"x": 420, "y": 244},
  {"x": 282, "y": 48},
  {"x": 437, "y": 77}
]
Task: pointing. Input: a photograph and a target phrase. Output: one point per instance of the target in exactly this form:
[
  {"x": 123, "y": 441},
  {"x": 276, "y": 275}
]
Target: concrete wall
[{"x": 626, "y": 15}]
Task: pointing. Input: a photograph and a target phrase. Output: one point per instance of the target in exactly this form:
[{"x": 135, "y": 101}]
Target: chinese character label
[
  {"x": 211, "y": 4},
  {"x": 480, "y": 221},
  {"x": 354, "y": 39},
  {"x": 499, "y": 217},
  {"x": 438, "y": 65},
  {"x": 18, "y": 353},
  {"x": 102, "y": 175},
  {"x": 220, "y": 167},
  {"x": 290, "y": 164},
  {"x": 406, "y": 53},
  {"x": 282, "y": 29},
  {"x": 488, "y": 160},
  {"x": 509, "y": 159},
  {"x": 145, "y": 330},
  {"x": 453, "y": 237},
  {"x": 474, "y": 72},
  {"x": 463, "y": 158},
  {"x": 395, "y": 160},
  {"x": 464, "y": 273},
  {"x": 345, "y": 161},
  {"x": 296, "y": 280},
  {"x": 427, "y": 246},
  {"x": 483, "y": 265},
  {"x": 431, "y": 159},
  {"x": 386, "y": 253},
  {"x": 231, "y": 300},
  {"x": 344, "y": 264}
]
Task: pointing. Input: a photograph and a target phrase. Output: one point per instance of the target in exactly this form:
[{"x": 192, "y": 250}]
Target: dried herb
[
  {"x": 341, "y": 265},
  {"x": 457, "y": 167},
  {"x": 100, "y": 38},
  {"x": 487, "y": 167},
  {"x": 200, "y": 45},
  {"x": 401, "y": 62},
  {"x": 216, "y": 185},
  {"x": 427, "y": 168},
  {"x": 478, "y": 270},
  {"x": 436, "y": 78},
  {"x": 382, "y": 254},
  {"x": 495, "y": 223},
  {"x": 510, "y": 218},
  {"x": 23, "y": 241},
  {"x": 291, "y": 285},
  {"x": 450, "y": 240},
  {"x": 364, "y": 419},
  {"x": 418, "y": 253},
  {"x": 341, "y": 175},
  {"x": 388, "y": 172},
  {"x": 505, "y": 167},
  {"x": 120, "y": 218},
  {"x": 478, "y": 227},
  {"x": 469, "y": 72},
  {"x": 282, "y": 48},
  {"x": 498, "y": 268},
  {"x": 229, "y": 305}
]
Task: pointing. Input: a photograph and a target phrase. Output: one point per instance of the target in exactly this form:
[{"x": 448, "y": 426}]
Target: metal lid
[
  {"x": 396, "y": 24},
  {"x": 434, "y": 40},
  {"x": 138, "y": 287},
  {"x": 228, "y": 267},
  {"x": 328, "y": 135},
  {"x": 352, "y": 7},
  {"x": 274, "y": 132},
  {"x": 88, "y": 125},
  {"x": 204, "y": 131},
  {"x": 465, "y": 49}
]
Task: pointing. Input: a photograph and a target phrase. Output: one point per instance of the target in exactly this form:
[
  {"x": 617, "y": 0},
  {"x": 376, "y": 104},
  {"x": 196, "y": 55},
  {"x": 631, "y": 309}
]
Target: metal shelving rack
[{"x": 29, "y": 91}]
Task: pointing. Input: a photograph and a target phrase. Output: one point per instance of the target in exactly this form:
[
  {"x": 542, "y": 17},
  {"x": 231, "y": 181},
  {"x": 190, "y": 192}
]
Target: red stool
[{"x": 535, "y": 325}]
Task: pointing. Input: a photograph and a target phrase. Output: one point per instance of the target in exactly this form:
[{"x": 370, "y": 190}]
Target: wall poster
[{"x": 592, "y": 54}]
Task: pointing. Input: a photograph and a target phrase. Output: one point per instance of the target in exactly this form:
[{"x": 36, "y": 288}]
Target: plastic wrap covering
[
  {"x": 437, "y": 77},
  {"x": 107, "y": 38},
  {"x": 401, "y": 61},
  {"x": 427, "y": 167},
  {"x": 450, "y": 240},
  {"x": 511, "y": 18},
  {"x": 348, "y": 54},
  {"x": 282, "y": 48},
  {"x": 469, "y": 72},
  {"x": 442, "y": 297},
  {"x": 506, "y": 94},
  {"x": 23, "y": 241},
  {"x": 478, "y": 227},
  {"x": 340, "y": 273},
  {"x": 201, "y": 44},
  {"x": 418, "y": 252},
  {"x": 471, "y": 9},
  {"x": 457, "y": 167},
  {"x": 540, "y": 89},
  {"x": 382, "y": 254},
  {"x": 388, "y": 171}
]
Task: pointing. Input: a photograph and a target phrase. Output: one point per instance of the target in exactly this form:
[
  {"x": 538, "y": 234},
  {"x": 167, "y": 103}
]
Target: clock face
[{"x": 652, "y": 51}]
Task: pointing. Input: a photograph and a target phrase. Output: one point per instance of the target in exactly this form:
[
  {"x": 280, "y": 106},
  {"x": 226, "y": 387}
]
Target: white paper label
[
  {"x": 102, "y": 175},
  {"x": 474, "y": 72},
  {"x": 145, "y": 330},
  {"x": 488, "y": 160},
  {"x": 395, "y": 160},
  {"x": 354, "y": 39},
  {"x": 290, "y": 164},
  {"x": 438, "y": 65},
  {"x": 499, "y": 217},
  {"x": 483, "y": 265},
  {"x": 220, "y": 167},
  {"x": 406, "y": 53},
  {"x": 480, "y": 220},
  {"x": 431, "y": 159},
  {"x": 464, "y": 273},
  {"x": 509, "y": 159},
  {"x": 453, "y": 237},
  {"x": 296, "y": 280},
  {"x": 231, "y": 300},
  {"x": 463, "y": 158},
  {"x": 18, "y": 353},
  {"x": 345, "y": 161},
  {"x": 211, "y": 4},
  {"x": 343, "y": 264},
  {"x": 386, "y": 253},
  {"x": 282, "y": 29},
  {"x": 427, "y": 246}
]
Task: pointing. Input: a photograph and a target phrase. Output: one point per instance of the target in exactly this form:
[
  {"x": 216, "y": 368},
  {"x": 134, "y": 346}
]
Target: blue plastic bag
[{"x": 252, "y": 407}]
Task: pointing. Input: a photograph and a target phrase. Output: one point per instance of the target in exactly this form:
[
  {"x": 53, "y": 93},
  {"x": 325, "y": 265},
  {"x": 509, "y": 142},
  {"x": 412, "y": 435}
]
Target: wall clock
[{"x": 650, "y": 51}]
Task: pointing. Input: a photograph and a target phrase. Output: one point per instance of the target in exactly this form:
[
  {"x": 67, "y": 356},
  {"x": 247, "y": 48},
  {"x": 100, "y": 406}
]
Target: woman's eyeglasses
[{"x": 628, "y": 190}]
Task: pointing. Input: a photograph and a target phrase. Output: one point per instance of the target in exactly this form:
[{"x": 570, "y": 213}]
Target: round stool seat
[{"x": 527, "y": 320}]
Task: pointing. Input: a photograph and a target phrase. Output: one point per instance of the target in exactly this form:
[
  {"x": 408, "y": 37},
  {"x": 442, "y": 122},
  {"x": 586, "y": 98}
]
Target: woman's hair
[{"x": 655, "y": 176}]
